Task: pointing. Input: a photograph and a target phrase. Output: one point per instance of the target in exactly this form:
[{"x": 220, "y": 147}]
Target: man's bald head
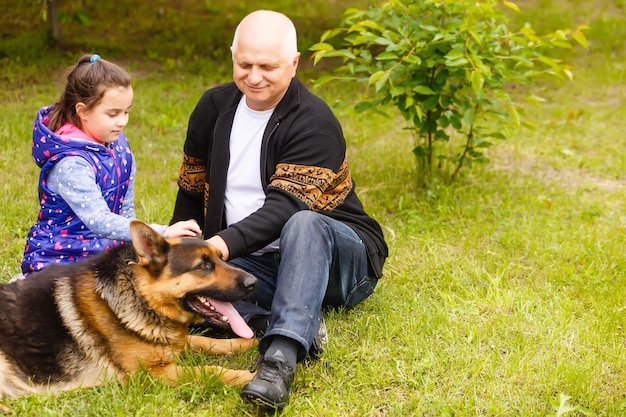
[{"x": 267, "y": 28}]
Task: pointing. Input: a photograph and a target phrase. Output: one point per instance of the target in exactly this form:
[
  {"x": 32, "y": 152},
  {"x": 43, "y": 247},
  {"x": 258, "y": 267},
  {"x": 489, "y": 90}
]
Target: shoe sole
[
  {"x": 320, "y": 342},
  {"x": 260, "y": 401}
]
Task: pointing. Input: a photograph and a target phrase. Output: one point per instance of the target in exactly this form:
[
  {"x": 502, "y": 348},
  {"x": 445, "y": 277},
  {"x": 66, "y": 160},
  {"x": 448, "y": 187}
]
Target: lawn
[{"x": 504, "y": 292}]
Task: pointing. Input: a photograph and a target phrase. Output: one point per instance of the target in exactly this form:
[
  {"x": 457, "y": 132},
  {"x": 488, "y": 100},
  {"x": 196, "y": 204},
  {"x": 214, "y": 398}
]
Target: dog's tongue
[{"x": 237, "y": 324}]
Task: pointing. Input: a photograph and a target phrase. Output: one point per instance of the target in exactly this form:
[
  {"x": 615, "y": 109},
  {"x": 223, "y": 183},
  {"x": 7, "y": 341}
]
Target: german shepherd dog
[{"x": 118, "y": 312}]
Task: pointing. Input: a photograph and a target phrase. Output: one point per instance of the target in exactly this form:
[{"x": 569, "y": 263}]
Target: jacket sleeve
[
  {"x": 74, "y": 180},
  {"x": 192, "y": 174}
]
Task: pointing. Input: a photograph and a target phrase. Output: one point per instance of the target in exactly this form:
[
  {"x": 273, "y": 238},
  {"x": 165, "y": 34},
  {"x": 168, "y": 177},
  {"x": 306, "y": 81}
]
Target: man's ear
[{"x": 294, "y": 64}]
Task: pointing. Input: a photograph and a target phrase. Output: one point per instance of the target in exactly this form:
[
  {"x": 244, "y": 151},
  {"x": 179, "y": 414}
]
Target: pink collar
[{"x": 72, "y": 131}]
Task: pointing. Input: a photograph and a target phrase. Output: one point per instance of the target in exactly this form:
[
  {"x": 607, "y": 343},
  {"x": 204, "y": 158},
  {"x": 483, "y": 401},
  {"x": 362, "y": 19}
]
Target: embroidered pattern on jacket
[
  {"x": 319, "y": 188},
  {"x": 192, "y": 174}
]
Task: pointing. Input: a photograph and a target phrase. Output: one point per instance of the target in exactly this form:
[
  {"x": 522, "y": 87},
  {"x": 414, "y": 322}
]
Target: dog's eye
[{"x": 205, "y": 265}]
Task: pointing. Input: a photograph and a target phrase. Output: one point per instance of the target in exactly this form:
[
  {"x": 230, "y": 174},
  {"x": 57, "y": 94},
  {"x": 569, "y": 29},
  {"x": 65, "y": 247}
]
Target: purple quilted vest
[{"x": 59, "y": 236}]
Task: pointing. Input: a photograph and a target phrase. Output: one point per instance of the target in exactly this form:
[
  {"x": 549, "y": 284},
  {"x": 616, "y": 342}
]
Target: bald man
[{"x": 265, "y": 174}]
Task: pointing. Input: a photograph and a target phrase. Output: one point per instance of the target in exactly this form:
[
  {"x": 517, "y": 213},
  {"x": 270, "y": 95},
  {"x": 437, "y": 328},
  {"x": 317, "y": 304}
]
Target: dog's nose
[{"x": 249, "y": 282}]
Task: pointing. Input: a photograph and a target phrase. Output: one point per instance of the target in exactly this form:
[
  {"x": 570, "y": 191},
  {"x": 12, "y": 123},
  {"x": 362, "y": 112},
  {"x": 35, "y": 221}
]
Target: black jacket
[{"x": 303, "y": 167}]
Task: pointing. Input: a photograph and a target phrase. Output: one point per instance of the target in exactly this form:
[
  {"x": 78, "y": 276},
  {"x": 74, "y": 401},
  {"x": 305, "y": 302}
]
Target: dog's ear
[{"x": 151, "y": 249}]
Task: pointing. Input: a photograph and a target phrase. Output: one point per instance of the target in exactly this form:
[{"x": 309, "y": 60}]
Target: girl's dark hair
[{"x": 87, "y": 81}]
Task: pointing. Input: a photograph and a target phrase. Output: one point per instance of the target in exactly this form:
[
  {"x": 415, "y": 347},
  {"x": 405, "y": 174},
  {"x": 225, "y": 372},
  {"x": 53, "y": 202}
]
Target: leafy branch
[{"x": 445, "y": 66}]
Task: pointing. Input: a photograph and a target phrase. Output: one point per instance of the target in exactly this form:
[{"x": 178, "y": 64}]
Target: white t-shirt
[{"x": 244, "y": 192}]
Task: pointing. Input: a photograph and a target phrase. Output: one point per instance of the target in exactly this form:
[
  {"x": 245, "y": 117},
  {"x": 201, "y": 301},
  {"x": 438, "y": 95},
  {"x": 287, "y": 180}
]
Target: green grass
[{"x": 503, "y": 293}]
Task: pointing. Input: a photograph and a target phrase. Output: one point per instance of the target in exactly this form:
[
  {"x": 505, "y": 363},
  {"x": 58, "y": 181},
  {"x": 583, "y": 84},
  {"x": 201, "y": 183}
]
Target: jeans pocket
[{"x": 361, "y": 291}]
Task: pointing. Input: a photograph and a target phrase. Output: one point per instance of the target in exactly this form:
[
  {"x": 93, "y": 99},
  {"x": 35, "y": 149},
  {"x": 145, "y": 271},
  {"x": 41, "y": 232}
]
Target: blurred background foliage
[
  {"x": 174, "y": 32},
  {"x": 189, "y": 36}
]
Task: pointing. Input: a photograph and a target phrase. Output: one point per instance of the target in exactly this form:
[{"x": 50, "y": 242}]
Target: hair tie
[{"x": 94, "y": 58}]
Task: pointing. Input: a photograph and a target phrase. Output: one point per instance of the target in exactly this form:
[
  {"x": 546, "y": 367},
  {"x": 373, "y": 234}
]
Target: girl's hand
[{"x": 186, "y": 228}]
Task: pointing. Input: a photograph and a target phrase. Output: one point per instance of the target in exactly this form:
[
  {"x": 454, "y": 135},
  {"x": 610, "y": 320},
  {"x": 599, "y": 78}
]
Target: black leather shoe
[
  {"x": 259, "y": 324},
  {"x": 271, "y": 386},
  {"x": 320, "y": 341}
]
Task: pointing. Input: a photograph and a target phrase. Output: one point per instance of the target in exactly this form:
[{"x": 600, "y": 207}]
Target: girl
[{"x": 87, "y": 169}]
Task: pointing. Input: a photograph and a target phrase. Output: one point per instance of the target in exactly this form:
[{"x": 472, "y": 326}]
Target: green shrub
[{"x": 445, "y": 65}]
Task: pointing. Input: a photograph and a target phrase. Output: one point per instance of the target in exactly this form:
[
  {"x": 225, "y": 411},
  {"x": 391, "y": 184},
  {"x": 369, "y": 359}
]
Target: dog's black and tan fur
[{"x": 127, "y": 309}]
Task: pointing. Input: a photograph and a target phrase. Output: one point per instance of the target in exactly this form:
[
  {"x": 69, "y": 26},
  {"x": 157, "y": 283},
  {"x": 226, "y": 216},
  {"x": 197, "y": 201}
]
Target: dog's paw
[{"x": 240, "y": 344}]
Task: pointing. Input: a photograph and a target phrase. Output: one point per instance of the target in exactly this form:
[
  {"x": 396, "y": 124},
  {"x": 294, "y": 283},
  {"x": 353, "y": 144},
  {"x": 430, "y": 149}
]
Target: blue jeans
[{"x": 322, "y": 262}]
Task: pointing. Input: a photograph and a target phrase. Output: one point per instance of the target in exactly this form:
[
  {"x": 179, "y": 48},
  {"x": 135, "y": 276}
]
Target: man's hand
[{"x": 220, "y": 245}]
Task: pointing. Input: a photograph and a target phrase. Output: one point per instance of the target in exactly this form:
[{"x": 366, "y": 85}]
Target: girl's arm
[{"x": 74, "y": 180}]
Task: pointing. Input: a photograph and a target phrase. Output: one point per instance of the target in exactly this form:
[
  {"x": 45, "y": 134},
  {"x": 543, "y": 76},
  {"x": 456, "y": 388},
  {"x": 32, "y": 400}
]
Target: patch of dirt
[{"x": 568, "y": 179}]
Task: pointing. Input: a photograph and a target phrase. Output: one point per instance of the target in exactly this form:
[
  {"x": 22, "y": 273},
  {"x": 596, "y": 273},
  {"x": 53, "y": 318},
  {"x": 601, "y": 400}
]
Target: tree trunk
[{"x": 52, "y": 20}]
